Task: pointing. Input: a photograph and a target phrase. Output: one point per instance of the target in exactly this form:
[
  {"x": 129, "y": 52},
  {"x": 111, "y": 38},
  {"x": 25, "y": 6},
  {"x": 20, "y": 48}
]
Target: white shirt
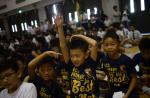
[
  {"x": 134, "y": 35},
  {"x": 26, "y": 90},
  {"x": 116, "y": 16}
]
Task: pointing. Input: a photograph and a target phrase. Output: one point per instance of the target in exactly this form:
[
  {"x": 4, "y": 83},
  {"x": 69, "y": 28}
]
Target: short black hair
[
  {"x": 8, "y": 63},
  {"x": 51, "y": 61},
  {"x": 112, "y": 34},
  {"x": 144, "y": 44},
  {"x": 78, "y": 43}
]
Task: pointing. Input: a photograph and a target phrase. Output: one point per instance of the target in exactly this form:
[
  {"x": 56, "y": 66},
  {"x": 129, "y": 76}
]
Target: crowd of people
[{"x": 84, "y": 60}]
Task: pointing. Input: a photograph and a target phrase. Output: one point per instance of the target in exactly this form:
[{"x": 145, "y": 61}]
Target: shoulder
[
  {"x": 3, "y": 93},
  {"x": 137, "y": 56},
  {"x": 125, "y": 58},
  {"x": 27, "y": 86}
]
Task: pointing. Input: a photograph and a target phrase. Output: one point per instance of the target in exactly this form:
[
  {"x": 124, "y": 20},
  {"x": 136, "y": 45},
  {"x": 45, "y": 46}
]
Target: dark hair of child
[
  {"x": 49, "y": 60},
  {"x": 8, "y": 63},
  {"x": 112, "y": 34},
  {"x": 144, "y": 44},
  {"x": 77, "y": 43}
]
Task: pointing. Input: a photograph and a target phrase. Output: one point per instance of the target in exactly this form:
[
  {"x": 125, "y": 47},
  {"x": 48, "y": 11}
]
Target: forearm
[
  {"x": 63, "y": 44},
  {"x": 93, "y": 44},
  {"x": 131, "y": 86},
  {"x": 62, "y": 37}
]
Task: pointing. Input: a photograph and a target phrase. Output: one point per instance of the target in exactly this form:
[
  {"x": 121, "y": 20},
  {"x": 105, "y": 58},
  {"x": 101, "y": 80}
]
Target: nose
[
  {"x": 74, "y": 59},
  {"x": 46, "y": 72},
  {"x": 5, "y": 80}
]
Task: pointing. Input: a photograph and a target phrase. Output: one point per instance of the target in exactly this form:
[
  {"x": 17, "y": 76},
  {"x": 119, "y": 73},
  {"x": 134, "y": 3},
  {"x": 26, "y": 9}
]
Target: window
[
  {"x": 54, "y": 10},
  {"x": 53, "y": 20},
  {"x": 132, "y": 9},
  {"x": 25, "y": 25},
  {"x": 35, "y": 22},
  {"x": 142, "y": 5},
  {"x": 22, "y": 26},
  {"x": 70, "y": 16},
  {"x": 32, "y": 23},
  {"x": 88, "y": 13},
  {"x": 95, "y": 10},
  {"x": 14, "y": 28},
  {"x": 76, "y": 16}
]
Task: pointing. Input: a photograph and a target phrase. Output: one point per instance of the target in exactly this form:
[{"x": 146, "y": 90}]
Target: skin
[
  {"x": 78, "y": 57},
  {"x": 10, "y": 80},
  {"x": 111, "y": 47}
]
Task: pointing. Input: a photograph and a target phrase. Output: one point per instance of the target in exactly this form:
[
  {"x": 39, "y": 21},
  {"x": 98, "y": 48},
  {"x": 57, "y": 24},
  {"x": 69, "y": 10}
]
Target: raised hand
[{"x": 59, "y": 21}]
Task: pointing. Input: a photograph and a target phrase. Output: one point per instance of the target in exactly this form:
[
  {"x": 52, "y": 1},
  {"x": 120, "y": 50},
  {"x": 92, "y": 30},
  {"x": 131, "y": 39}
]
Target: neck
[
  {"x": 114, "y": 57},
  {"x": 18, "y": 83},
  {"x": 47, "y": 83}
]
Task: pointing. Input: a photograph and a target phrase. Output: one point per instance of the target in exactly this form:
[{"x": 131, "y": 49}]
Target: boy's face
[
  {"x": 78, "y": 57},
  {"x": 46, "y": 72},
  {"x": 9, "y": 79},
  {"x": 111, "y": 46},
  {"x": 145, "y": 54}
]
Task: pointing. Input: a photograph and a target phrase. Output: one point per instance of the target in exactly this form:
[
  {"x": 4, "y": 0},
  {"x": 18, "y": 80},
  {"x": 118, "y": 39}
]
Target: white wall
[
  {"x": 107, "y": 6},
  {"x": 39, "y": 5},
  {"x": 11, "y": 4}
]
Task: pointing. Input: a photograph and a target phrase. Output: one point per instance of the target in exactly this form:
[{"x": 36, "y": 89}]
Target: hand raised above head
[{"x": 59, "y": 21}]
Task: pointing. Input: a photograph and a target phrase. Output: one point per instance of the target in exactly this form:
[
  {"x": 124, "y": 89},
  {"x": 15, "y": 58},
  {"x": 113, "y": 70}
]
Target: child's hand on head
[
  {"x": 53, "y": 53},
  {"x": 75, "y": 37},
  {"x": 59, "y": 21}
]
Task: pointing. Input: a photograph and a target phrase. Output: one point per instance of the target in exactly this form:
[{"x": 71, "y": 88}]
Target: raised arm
[
  {"x": 32, "y": 64},
  {"x": 92, "y": 43},
  {"x": 63, "y": 44}
]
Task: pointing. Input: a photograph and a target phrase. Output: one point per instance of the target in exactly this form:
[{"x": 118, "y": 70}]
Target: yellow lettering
[{"x": 75, "y": 87}]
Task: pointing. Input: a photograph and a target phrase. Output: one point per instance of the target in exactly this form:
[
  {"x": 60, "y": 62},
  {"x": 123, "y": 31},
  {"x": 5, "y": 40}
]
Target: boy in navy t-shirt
[
  {"x": 44, "y": 76},
  {"x": 118, "y": 67},
  {"x": 82, "y": 66},
  {"x": 142, "y": 60}
]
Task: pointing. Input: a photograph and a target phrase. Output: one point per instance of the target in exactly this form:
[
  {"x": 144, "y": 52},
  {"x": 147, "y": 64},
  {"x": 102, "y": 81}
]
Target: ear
[
  {"x": 19, "y": 74},
  {"x": 87, "y": 54},
  {"x": 37, "y": 72}
]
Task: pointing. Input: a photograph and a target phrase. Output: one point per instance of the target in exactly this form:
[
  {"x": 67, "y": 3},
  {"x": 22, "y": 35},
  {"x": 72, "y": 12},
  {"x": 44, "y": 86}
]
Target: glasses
[{"x": 7, "y": 76}]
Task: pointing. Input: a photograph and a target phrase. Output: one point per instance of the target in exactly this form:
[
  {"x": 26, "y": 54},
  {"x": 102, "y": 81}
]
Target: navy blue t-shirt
[
  {"x": 118, "y": 71},
  {"x": 143, "y": 64},
  {"x": 82, "y": 79},
  {"x": 44, "y": 91}
]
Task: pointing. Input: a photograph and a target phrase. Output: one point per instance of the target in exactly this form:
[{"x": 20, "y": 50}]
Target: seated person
[
  {"x": 44, "y": 79},
  {"x": 142, "y": 61},
  {"x": 133, "y": 37},
  {"x": 10, "y": 79}
]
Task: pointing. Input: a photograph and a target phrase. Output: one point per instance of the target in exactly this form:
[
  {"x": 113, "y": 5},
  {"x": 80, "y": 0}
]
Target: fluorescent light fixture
[
  {"x": 16, "y": 28},
  {"x": 88, "y": 13},
  {"x": 95, "y": 10},
  {"x": 54, "y": 9},
  {"x": 132, "y": 10},
  {"x": 35, "y": 22},
  {"x": 32, "y": 23},
  {"x": 53, "y": 20},
  {"x": 25, "y": 25},
  {"x": 22, "y": 26},
  {"x": 76, "y": 16},
  {"x": 142, "y": 5},
  {"x": 12, "y": 26},
  {"x": 70, "y": 16}
]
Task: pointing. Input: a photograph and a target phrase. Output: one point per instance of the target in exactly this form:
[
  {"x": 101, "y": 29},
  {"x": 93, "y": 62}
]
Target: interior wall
[
  {"x": 11, "y": 4},
  {"x": 107, "y": 6}
]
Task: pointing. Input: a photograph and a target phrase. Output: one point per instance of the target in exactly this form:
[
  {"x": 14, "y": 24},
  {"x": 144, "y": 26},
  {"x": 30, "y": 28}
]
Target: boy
[
  {"x": 142, "y": 60},
  {"x": 82, "y": 66},
  {"x": 118, "y": 67},
  {"x": 44, "y": 80},
  {"x": 10, "y": 78}
]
